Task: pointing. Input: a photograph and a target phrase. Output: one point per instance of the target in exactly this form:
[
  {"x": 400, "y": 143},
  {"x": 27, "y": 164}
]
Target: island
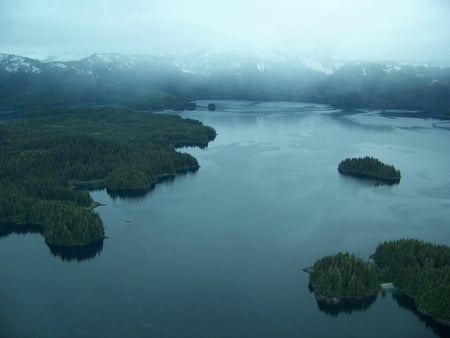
[
  {"x": 211, "y": 107},
  {"x": 418, "y": 269},
  {"x": 369, "y": 168},
  {"x": 51, "y": 157},
  {"x": 343, "y": 277}
]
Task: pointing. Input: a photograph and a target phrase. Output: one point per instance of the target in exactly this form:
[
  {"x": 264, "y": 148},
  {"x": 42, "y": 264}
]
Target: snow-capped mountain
[
  {"x": 199, "y": 64},
  {"x": 209, "y": 63},
  {"x": 126, "y": 78},
  {"x": 15, "y": 63}
]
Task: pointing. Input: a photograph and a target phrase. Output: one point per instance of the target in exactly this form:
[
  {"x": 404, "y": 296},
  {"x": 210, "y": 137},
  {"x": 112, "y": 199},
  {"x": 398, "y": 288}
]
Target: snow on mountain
[
  {"x": 392, "y": 68},
  {"x": 262, "y": 66},
  {"x": 327, "y": 68},
  {"x": 210, "y": 63},
  {"x": 15, "y": 63}
]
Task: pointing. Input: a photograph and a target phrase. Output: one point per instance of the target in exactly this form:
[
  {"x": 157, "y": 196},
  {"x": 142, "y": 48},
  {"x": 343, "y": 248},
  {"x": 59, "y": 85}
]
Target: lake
[{"x": 220, "y": 252}]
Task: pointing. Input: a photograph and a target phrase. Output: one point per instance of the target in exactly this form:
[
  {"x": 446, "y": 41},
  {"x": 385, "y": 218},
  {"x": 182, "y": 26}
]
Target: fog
[{"x": 415, "y": 31}]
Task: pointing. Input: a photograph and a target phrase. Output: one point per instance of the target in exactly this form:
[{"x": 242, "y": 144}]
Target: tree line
[
  {"x": 421, "y": 270},
  {"x": 44, "y": 156},
  {"x": 343, "y": 276},
  {"x": 369, "y": 167}
]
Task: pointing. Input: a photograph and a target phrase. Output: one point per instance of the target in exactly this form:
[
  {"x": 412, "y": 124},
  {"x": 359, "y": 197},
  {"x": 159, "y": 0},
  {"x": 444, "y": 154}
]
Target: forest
[
  {"x": 49, "y": 153},
  {"x": 419, "y": 269},
  {"x": 342, "y": 277},
  {"x": 369, "y": 167}
]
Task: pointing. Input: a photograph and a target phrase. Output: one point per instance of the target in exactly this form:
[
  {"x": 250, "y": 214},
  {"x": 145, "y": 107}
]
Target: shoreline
[{"x": 389, "y": 181}]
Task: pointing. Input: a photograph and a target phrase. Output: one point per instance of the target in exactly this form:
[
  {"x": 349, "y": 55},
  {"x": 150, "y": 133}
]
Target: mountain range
[{"x": 153, "y": 82}]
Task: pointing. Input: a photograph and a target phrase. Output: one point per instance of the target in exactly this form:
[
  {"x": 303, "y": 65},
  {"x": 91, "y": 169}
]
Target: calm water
[{"x": 219, "y": 253}]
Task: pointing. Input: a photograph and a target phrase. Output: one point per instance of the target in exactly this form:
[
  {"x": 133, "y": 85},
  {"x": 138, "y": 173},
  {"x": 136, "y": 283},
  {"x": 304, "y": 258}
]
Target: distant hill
[{"x": 146, "y": 81}]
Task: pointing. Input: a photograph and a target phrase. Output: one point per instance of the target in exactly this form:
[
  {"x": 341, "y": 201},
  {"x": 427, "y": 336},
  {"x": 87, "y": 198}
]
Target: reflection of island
[
  {"x": 127, "y": 194},
  {"x": 7, "y": 229},
  {"x": 370, "y": 168},
  {"x": 347, "y": 307},
  {"x": 137, "y": 194},
  {"x": 66, "y": 253},
  {"x": 76, "y": 253},
  {"x": 407, "y": 303}
]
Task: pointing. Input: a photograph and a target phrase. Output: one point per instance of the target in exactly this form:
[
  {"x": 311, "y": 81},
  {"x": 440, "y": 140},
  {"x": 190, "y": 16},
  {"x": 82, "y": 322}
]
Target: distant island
[
  {"x": 369, "y": 168},
  {"x": 211, "y": 107},
  {"x": 420, "y": 270},
  {"x": 343, "y": 277},
  {"x": 52, "y": 156}
]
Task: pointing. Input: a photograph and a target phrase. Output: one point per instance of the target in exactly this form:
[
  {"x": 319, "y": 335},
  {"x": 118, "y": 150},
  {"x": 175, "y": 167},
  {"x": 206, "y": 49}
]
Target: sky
[{"x": 415, "y": 31}]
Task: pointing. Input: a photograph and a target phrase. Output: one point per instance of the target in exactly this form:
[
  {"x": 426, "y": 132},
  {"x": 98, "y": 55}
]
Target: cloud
[{"x": 400, "y": 30}]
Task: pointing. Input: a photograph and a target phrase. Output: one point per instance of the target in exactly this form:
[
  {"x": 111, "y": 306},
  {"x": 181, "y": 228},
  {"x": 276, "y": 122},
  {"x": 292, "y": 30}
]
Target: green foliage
[
  {"x": 128, "y": 178},
  {"x": 43, "y": 156},
  {"x": 421, "y": 270},
  {"x": 369, "y": 167},
  {"x": 344, "y": 275}
]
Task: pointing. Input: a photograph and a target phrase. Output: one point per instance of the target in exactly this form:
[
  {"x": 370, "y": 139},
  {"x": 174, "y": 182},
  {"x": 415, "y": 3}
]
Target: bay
[{"x": 219, "y": 252}]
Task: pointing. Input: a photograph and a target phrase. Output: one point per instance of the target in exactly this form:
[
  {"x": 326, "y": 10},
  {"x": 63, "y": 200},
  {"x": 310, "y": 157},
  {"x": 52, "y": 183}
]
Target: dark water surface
[{"x": 219, "y": 253}]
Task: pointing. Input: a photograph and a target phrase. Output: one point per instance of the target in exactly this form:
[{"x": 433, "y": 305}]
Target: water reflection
[
  {"x": 346, "y": 307},
  {"x": 135, "y": 195},
  {"x": 407, "y": 303},
  {"x": 76, "y": 253},
  {"x": 6, "y": 113},
  {"x": 7, "y": 229},
  {"x": 141, "y": 194},
  {"x": 369, "y": 182}
]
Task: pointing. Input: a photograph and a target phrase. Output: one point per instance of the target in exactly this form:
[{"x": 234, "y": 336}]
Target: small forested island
[
  {"x": 49, "y": 157},
  {"x": 418, "y": 269},
  {"x": 371, "y": 168},
  {"x": 343, "y": 277},
  {"x": 211, "y": 107}
]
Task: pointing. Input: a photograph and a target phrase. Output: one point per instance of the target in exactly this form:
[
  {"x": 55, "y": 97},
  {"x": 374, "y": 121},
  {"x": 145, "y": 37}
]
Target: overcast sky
[{"x": 402, "y": 30}]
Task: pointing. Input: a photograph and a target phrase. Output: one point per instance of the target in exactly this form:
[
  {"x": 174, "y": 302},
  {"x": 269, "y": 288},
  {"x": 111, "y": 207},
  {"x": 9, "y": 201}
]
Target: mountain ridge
[{"x": 130, "y": 79}]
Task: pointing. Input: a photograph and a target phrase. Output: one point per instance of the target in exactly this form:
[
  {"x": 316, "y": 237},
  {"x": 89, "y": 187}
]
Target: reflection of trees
[
  {"x": 406, "y": 302},
  {"x": 127, "y": 194},
  {"x": 7, "y": 229},
  {"x": 346, "y": 307},
  {"x": 65, "y": 253},
  {"x": 76, "y": 253},
  {"x": 141, "y": 194}
]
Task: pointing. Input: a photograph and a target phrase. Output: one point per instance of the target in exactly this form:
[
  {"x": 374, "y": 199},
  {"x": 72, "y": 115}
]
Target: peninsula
[{"x": 51, "y": 157}]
